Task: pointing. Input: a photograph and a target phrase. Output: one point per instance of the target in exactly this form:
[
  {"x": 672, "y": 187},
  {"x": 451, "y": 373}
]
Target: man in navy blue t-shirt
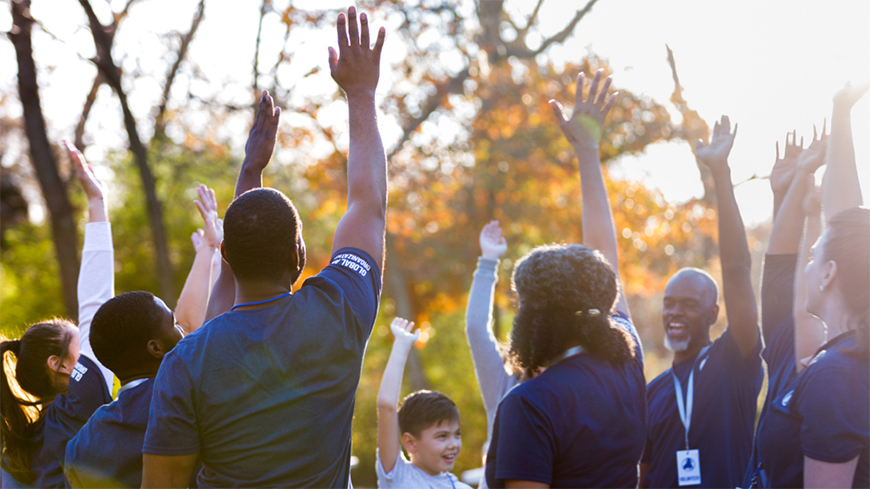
[
  {"x": 264, "y": 394},
  {"x": 702, "y": 410}
]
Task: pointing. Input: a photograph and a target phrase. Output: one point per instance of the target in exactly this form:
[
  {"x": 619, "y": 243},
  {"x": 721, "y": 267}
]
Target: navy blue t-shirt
[
  {"x": 726, "y": 387},
  {"x": 581, "y": 423},
  {"x": 824, "y": 415},
  {"x": 266, "y": 396},
  {"x": 107, "y": 451},
  {"x": 777, "y": 326},
  {"x": 65, "y": 417}
]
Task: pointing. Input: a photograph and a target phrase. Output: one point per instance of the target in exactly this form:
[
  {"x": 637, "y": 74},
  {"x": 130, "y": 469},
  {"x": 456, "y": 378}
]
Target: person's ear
[
  {"x": 409, "y": 442},
  {"x": 65, "y": 366},
  {"x": 830, "y": 274},
  {"x": 155, "y": 349},
  {"x": 714, "y": 315}
]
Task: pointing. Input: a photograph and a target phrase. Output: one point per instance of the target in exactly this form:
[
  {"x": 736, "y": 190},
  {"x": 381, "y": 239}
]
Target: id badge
[{"x": 688, "y": 467}]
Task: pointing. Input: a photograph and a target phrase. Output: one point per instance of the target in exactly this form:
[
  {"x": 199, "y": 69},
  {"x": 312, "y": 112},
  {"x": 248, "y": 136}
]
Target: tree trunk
[
  {"x": 398, "y": 285},
  {"x": 103, "y": 39},
  {"x": 63, "y": 226}
]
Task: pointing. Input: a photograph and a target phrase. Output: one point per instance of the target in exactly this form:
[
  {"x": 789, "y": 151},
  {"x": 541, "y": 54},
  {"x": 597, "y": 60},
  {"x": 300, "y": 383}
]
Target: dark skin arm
[
  {"x": 356, "y": 67},
  {"x": 258, "y": 153},
  {"x": 583, "y": 129},
  {"x": 737, "y": 290},
  {"x": 161, "y": 471}
]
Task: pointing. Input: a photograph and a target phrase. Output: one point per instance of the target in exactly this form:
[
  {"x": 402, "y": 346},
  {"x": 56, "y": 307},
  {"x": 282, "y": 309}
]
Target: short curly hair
[{"x": 557, "y": 286}]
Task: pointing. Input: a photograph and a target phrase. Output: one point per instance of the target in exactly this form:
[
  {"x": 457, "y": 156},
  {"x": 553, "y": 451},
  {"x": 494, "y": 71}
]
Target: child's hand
[{"x": 401, "y": 329}]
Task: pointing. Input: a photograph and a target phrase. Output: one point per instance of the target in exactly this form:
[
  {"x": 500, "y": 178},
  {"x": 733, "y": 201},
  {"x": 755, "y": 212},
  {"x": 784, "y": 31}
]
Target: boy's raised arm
[
  {"x": 356, "y": 67},
  {"x": 388, "y": 395}
]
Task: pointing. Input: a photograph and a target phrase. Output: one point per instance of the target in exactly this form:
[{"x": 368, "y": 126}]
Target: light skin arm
[
  {"x": 583, "y": 130},
  {"x": 94, "y": 189},
  {"x": 809, "y": 331},
  {"x": 515, "y": 484},
  {"x": 788, "y": 222},
  {"x": 824, "y": 475},
  {"x": 193, "y": 301},
  {"x": 355, "y": 68},
  {"x": 841, "y": 187},
  {"x": 734, "y": 254},
  {"x": 258, "y": 153},
  {"x": 196, "y": 239},
  {"x": 388, "y": 395},
  {"x": 162, "y": 471}
]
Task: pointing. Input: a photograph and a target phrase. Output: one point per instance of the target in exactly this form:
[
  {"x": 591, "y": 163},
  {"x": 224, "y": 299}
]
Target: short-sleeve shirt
[
  {"x": 65, "y": 417},
  {"x": 107, "y": 451},
  {"x": 581, "y": 423},
  {"x": 824, "y": 415},
  {"x": 406, "y": 475},
  {"x": 266, "y": 396},
  {"x": 726, "y": 387}
]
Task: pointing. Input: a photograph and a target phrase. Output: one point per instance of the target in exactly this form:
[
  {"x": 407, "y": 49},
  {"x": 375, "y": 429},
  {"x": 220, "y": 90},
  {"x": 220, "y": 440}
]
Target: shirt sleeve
[
  {"x": 777, "y": 292},
  {"x": 359, "y": 278},
  {"x": 623, "y": 321},
  {"x": 726, "y": 349},
  {"x": 833, "y": 404},
  {"x": 395, "y": 477},
  {"x": 488, "y": 363},
  {"x": 96, "y": 285},
  {"x": 526, "y": 441},
  {"x": 172, "y": 426}
]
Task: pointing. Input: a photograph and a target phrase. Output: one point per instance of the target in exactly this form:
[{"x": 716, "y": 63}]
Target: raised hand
[
  {"x": 492, "y": 243},
  {"x": 356, "y": 66},
  {"x": 93, "y": 187},
  {"x": 784, "y": 168},
  {"x": 212, "y": 228},
  {"x": 849, "y": 95},
  {"x": 813, "y": 157},
  {"x": 813, "y": 200},
  {"x": 402, "y": 330},
  {"x": 584, "y": 128},
  {"x": 715, "y": 154},
  {"x": 263, "y": 135}
]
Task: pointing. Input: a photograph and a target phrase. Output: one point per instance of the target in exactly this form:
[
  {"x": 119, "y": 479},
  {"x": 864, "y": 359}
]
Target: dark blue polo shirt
[
  {"x": 65, "y": 417},
  {"x": 723, "y": 417},
  {"x": 266, "y": 396},
  {"x": 824, "y": 414},
  {"x": 107, "y": 451},
  {"x": 581, "y": 423}
]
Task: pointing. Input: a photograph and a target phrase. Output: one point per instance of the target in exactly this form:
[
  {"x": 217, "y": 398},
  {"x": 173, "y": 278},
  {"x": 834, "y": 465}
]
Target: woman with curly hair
[{"x": 581, "y": 421}]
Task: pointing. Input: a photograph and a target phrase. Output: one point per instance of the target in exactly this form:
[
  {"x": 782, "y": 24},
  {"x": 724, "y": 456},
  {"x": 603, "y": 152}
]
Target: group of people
[{"x": 249, "y": 383}]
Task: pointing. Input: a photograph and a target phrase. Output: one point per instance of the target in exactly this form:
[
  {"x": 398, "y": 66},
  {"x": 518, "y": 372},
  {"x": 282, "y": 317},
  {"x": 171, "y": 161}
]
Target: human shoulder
[{"x": 663, "y": 379}]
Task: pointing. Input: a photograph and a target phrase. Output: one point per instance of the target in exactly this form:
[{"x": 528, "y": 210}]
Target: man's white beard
[{"x": 677, "y": 346}]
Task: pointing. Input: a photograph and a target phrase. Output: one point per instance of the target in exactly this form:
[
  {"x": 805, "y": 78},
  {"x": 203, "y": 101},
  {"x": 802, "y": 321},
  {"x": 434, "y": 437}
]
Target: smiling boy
[{"x": 428, "y": 423}]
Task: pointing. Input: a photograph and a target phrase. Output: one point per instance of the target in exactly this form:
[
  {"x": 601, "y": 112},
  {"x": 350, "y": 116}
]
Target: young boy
[{"x": 428, "y": 423}]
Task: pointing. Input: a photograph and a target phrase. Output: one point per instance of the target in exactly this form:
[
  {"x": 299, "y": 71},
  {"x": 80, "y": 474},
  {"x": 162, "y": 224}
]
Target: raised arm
[
  {"x": 96, "y": 282},
  {"x": 193, "y": 301},
  {"x": 258, "y": 153},
  {"x": 733, "y": 249},
  {"x": 488, "y": 362},
  {"x": 841, "y": 186},
  {"x": 388, "y": 395},
  {"x": 777, "y": 285},
  {"x": 355, "y": 67},
  {"x": 583, "y": 130},
  {"x": 809, "y": 331}
]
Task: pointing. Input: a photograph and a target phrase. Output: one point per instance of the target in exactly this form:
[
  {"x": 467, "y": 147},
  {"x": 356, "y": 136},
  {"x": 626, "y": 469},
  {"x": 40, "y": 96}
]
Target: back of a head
[
  {"x": 566, "y": 293},
  {"x": 424, "y": 409},
  {"x": 848, "y": 235},
  {"x": 32, "y": 375},
  {"x": 121, "y": 329},
  {"x": 260, "y": 231}
]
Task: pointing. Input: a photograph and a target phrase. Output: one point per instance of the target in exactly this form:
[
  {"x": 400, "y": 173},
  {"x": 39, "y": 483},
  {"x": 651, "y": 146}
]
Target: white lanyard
[{"x": 686, "y": 409}]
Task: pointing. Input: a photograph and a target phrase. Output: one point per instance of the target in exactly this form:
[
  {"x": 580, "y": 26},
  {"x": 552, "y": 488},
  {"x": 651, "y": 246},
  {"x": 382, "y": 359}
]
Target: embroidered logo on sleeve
[
  {"x": 352, "y": 262},
  {"x": 78, "y": 371}
]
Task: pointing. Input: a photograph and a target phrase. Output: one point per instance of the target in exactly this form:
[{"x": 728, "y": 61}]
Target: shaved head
[{"x": 699, "y": 280}]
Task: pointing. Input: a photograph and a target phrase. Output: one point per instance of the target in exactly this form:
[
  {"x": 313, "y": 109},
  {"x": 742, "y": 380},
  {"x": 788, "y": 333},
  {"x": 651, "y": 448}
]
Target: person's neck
[
  {"x": 248, "y": 292},
  {"x": 415, "y": 462},
  {"x": 130, "y": 377},
  {"x": 689, "y": 353}
]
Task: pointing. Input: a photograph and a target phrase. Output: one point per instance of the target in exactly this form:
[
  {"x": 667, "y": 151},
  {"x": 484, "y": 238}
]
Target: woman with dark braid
[{"x": 582, "y": 421}]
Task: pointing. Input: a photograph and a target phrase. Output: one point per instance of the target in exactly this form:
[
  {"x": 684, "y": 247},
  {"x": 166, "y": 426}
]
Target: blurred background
[{"x": 160, "y": 94}]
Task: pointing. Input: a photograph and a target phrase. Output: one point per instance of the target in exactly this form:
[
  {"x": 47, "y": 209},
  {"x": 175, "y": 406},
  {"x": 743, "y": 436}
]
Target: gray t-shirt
[{"x": 407, "y": 475}]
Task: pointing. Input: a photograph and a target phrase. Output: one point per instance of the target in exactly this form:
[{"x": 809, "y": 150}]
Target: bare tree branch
[
  {"x": 86, "y": 110},
  {"x": 160, "y": 118},
  {"x": 531, "y": 20},
  {"x": 256, "y": 82},
  {"x": 564, "y": 33}
]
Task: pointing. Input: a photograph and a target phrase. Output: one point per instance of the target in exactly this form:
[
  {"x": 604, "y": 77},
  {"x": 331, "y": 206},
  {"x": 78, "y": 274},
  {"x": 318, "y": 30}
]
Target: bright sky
[{"x": 772, "y": 66}]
